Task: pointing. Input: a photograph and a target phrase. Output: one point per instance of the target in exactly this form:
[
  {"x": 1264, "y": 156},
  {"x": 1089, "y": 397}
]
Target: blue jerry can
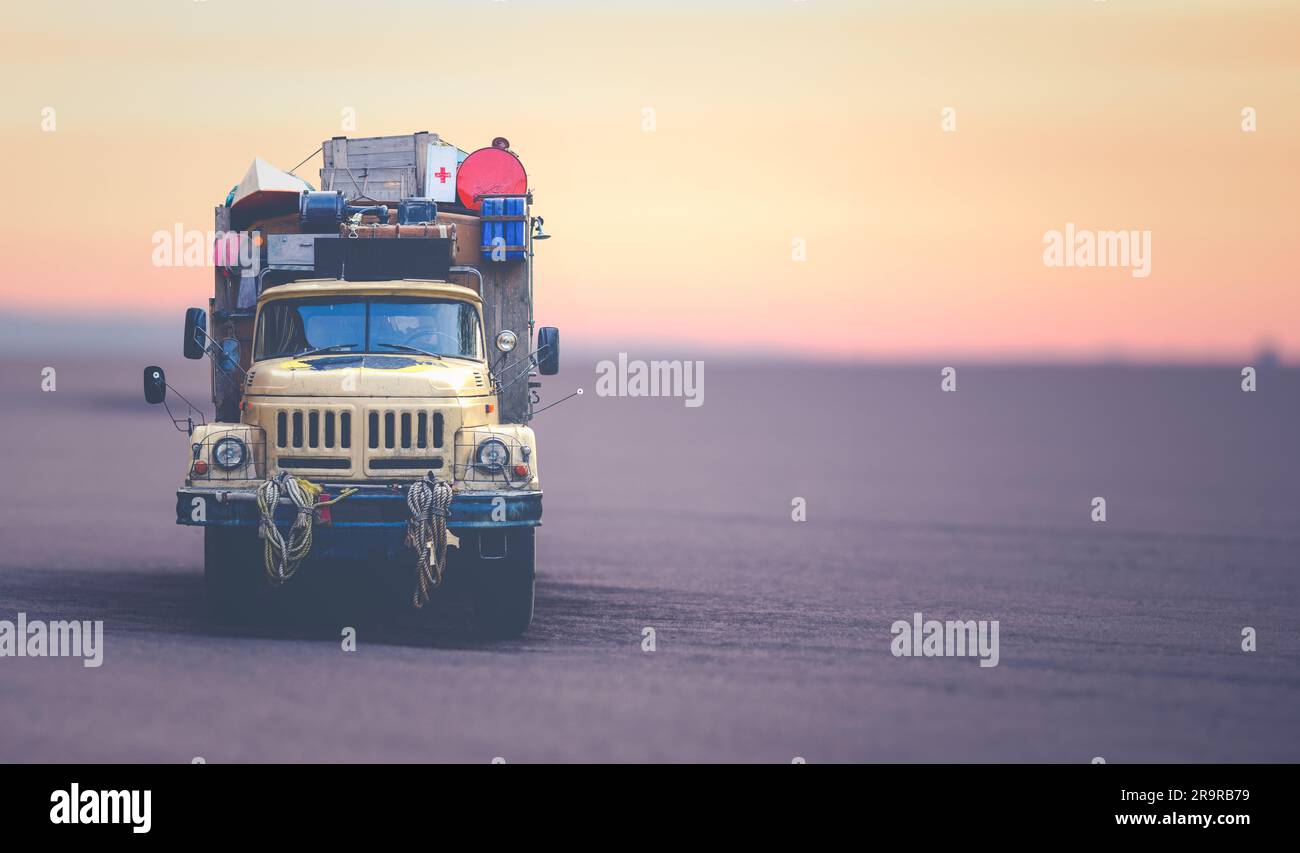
[
  {"x": 504, "y": 221},
  {"x": 515, "y": 229}
]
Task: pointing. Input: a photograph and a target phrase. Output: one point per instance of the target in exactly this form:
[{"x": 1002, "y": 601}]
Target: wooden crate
[{"x": 383, "y": 169}]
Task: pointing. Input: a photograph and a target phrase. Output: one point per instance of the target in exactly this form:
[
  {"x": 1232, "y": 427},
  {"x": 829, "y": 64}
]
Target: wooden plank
[
  {"x": 390, "y": 159},
  {"x": 384, "y": 185},
  {"x": 421, "y": 160},
  {"x": 505, "y": 306},
  {"x": 335, "y": 152},
  {"x": 223, "y": 299},
  {"x": 362, "y": 145},
  {"x": 223, "y": 295}
]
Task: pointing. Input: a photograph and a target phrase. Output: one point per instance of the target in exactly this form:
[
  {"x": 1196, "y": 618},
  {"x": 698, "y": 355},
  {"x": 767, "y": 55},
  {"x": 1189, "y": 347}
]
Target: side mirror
[
  {"x": 230, "y": 354},
  {"x": 196, "y": 325},
  {"x": 548, "y": 350},
  {"x": 155, "y": 385}
]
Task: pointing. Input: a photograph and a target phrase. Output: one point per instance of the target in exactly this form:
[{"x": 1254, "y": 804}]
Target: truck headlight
[
  {"x": 229, "y": 453},
  {"x": 492, "y": 455}
]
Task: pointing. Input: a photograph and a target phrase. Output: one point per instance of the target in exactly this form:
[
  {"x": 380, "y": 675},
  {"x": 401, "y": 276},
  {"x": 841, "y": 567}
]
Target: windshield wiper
[
  {"x": 409, "y": 348},
  {"x": 319, "y": 350}
]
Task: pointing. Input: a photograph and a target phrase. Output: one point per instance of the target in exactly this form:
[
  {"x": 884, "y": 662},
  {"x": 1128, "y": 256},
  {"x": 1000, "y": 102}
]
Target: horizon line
[{"x": 22, "y": 332}]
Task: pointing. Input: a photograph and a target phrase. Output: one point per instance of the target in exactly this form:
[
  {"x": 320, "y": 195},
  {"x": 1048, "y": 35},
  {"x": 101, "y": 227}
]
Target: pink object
[
  {"x": 225, "y": 249},
  {"x": 489, "y": 171}
]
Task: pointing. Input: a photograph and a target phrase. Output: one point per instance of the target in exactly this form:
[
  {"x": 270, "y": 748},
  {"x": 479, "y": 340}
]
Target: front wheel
[{"x": 503, "y": 587}]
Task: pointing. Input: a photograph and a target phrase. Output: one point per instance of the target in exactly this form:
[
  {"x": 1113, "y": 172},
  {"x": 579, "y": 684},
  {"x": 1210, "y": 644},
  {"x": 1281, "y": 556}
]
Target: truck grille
[
  {"x": 404, "y": 430},
  {"x": 404, "y": 438},
  {"x": 313, "y": 429},
  {"x": 399, "y": 439}
]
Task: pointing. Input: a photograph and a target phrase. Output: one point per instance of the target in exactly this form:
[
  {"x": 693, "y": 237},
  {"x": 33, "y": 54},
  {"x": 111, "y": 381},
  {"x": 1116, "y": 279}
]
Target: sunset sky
[{"x": 775, "y": 121}]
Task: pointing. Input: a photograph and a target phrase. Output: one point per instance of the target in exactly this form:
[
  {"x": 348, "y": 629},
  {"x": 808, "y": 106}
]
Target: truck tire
[
  {"x": 233, "y": 573},
  {"x": 503, "y": 589}
]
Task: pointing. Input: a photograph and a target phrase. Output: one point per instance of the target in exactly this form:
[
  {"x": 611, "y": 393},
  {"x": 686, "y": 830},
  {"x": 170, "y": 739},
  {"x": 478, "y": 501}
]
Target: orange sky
[{"x": 775, "y": 120}]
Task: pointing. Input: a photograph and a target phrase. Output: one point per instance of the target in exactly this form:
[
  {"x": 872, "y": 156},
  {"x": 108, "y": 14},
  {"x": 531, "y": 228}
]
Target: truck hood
[{"x": 369, "y": 375}]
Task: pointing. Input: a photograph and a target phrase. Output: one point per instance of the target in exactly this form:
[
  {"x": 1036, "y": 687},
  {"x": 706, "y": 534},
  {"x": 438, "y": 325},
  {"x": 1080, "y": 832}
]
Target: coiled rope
[
  {"x": 284, "y": 556},
  {"x": 429, "y": 502}
]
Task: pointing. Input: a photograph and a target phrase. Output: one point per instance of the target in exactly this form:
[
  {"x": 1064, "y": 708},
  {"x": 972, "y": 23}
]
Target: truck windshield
[{"x": 387, "y": 324}]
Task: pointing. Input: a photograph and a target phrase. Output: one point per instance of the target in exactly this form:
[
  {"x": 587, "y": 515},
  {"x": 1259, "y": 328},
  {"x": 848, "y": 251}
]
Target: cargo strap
[
  {"x": 429, "y": 502},
  {"x": 283, "y": 556}
]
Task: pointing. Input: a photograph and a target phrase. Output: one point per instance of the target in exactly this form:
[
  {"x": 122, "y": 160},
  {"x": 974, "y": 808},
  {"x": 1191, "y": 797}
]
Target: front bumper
[{"x": 374, "y": 507}]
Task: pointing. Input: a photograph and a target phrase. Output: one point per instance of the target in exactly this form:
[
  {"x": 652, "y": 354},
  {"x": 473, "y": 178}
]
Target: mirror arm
[
  {"x": 212, "y": 347},
  {"x": 531, "y": 363},
  {"x": 188, "y": 429},
  {"x": 494, "y": 370}
]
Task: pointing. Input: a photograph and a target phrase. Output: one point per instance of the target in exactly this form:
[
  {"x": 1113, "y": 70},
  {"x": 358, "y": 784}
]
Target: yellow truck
[{"x": 375, "y": 414}]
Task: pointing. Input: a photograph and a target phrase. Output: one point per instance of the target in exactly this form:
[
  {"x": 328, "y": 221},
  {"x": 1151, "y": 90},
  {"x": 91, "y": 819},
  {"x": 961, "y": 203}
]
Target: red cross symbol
[{"x": 442, "y": 174}]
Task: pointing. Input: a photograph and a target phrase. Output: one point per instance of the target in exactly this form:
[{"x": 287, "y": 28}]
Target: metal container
[
  {"x": 293, "y": 251},
  {"x": 320, "y": 212},
  {"x": 416, "y": 211},
  {"x": 489, "y": 172}
]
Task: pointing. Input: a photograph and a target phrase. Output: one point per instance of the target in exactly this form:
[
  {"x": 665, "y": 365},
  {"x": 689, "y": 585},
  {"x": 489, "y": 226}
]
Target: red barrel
[{"x": 489, "y": 171}]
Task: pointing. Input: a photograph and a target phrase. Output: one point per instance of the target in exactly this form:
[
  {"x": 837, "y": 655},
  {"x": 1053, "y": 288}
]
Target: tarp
[{"x": 266, "y": 191}]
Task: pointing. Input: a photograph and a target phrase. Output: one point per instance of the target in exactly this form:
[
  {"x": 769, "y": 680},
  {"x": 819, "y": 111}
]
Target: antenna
[{"x": 577, "y": 393}]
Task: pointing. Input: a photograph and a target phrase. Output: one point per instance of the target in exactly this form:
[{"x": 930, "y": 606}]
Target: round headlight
[
  {"x": 493, "y": 455},
  {"x": 229, "y": 453},
  {"x": 506, "y": 340}
]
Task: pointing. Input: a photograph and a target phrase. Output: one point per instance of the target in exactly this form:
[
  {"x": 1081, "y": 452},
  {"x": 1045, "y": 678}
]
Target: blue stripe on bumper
[{"x": 363, "y": 510}]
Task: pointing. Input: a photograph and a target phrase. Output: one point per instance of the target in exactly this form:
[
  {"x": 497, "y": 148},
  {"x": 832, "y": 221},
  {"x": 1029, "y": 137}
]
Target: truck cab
[
  {"x": 369, "y": 386},
  {"x": 369, "y": 383}
]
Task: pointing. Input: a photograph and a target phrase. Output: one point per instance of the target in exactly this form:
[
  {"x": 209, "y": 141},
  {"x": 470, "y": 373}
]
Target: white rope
[
  {"x": 284, "y": 556},
  {"x": 429, "y": 502}
]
